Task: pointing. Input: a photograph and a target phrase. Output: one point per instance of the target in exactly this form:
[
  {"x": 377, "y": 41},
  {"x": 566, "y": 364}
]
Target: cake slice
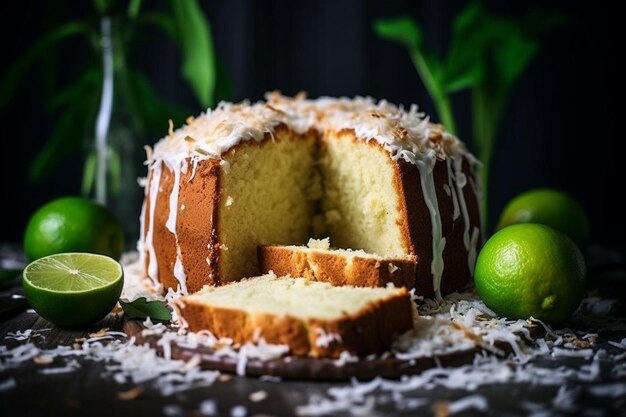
[
  {"x": 312, "y": 318},
  {"x": 318, "y": 262}
]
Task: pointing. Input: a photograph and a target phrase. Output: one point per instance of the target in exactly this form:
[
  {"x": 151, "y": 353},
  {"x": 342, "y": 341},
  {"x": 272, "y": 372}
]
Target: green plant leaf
[
  {"x": 401, "y": 29},
  {"x": 70, "y": 129},
  {"x": 133, "y": 8},
  {"x": 406, "y": 31},
  {"x": 195, "y": 40},
  {"x": 90, "y": 79},
  {"x": 89, "y": 174},
  {"x": 103, "y": 6},
  {"x": 141, "y": 308},
  {"x": 465, "y": 63},
  {"x": 16, "y": 72},
  {"x": 513, "y": 54}
]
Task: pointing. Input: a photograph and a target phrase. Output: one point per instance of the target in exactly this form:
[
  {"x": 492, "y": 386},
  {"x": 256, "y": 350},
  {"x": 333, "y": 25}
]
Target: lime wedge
[{"x": 73, "y": 289}]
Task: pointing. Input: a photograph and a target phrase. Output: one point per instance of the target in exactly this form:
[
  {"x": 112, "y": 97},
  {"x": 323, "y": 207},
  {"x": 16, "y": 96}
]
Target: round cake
[{"x": 370, "y": 175}]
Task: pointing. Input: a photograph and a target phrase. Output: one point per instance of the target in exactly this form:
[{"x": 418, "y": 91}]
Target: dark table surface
[{"x": 90, "y": 390}]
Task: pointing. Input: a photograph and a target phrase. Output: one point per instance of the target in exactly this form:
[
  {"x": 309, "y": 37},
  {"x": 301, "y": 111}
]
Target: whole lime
[
  {"x": 73, "y": 224},
  {"x": 73, "y": 289},
  {"x": 529, "y": 270},
  {"x": 551, "y": 207}
]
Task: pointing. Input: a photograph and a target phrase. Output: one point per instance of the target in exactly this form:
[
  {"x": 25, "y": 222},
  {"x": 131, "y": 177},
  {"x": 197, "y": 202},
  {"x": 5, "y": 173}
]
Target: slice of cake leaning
[
  {"x": 318, "y": 262},
  {"x": 311, "y": 318},
  {"x": 371, "y": 175}
]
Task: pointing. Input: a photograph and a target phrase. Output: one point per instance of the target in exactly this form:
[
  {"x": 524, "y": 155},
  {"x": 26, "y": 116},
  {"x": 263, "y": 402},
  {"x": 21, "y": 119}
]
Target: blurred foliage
[
  {"x": 487, "y": 55},
  {"x": 75, "y": 105}
]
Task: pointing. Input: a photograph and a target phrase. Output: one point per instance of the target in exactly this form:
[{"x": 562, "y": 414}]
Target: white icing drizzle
[
  {"x": 461, "y": 182},
  {"x": 405, "y": 134},
  {"x": 473, "y": 251},
  {"x": 425, "y": 166},
  {"x": 155, "y": 180},
  {"x": 176, "y": 166},
  {"x": 195, "y": 161},
  {"x": 451, "y": 189},
  {"x": 179, "y": 272}
]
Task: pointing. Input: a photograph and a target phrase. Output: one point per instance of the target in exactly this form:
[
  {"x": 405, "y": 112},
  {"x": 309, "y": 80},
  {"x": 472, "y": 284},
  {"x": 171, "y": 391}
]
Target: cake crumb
[{"x": 322, "y": 244}]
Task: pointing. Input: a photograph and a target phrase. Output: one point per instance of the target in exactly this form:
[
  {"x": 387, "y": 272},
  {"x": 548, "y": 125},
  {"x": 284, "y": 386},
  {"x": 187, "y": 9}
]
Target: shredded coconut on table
[{"x": 460, "y": 322}]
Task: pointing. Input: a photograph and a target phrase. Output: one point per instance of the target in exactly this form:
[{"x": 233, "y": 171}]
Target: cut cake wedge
[
  {"x": 318, "y": 262},
  {"x": 312, "y": 318}
]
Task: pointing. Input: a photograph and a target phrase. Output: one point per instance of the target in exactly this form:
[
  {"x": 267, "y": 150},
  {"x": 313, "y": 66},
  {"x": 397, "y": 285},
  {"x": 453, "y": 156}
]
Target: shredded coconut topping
[{"x": 404, "y": 133}]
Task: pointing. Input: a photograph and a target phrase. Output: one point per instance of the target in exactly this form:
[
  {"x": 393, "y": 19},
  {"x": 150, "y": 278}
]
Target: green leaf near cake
[{"x": 141, "y": 308}]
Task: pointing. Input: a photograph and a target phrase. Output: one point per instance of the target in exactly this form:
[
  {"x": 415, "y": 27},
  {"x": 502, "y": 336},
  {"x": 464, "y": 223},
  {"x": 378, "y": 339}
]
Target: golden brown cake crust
[
  {"x": 337, "y": 268},
  {"x": 371, "y": 330},
  {"x": 197, "y": 238},
  {"x": 456, "y": 274}
]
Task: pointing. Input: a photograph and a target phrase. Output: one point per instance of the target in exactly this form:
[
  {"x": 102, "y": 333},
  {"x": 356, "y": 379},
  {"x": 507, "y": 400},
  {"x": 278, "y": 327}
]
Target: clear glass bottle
[{"x": 115, "y": 158}]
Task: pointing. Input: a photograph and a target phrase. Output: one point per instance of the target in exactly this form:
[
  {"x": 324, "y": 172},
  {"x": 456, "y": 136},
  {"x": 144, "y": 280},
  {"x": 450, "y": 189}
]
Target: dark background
[{"x": 563, "y": 127}]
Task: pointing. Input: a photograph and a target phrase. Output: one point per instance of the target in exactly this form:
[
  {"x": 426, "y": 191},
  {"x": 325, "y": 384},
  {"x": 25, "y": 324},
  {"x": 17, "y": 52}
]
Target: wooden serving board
[{"x": 304, "y": 368}]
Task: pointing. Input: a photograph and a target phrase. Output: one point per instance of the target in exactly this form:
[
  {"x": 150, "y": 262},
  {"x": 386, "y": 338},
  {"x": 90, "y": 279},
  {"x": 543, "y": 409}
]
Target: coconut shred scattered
[{"x": 507, "y": 351}]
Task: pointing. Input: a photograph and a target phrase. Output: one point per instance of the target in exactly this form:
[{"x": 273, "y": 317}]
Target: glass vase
[{"x": 115, "y": 158}]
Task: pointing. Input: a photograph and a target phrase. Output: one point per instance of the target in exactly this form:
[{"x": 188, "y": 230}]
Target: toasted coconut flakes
[
  {"x": 269, "y": 106},
  {"x": 301, "y": 95},
  {"x": 201, "y": 151},
  {"x": 131, "y": 394},
  {"x": 257, "y": 396},
  {"x": 170, "y": 128},
  {"x": 43, "y": 359},
  {"x": 100, "y": 332},
  {"x": 441, "y": 409},
  {"x": 26, "y": 334},
  {"x": 466, "y": 331},
  {"x": 189, "y": 139}
]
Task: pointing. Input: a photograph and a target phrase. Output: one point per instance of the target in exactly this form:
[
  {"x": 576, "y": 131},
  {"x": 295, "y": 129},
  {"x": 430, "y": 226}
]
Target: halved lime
[{"x": 73, "y": 289}]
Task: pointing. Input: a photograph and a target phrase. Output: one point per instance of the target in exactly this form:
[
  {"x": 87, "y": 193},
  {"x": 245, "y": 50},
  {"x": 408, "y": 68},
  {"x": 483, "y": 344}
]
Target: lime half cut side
[{"x": 73, "y": 289}]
